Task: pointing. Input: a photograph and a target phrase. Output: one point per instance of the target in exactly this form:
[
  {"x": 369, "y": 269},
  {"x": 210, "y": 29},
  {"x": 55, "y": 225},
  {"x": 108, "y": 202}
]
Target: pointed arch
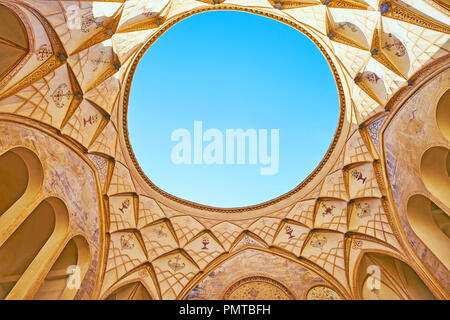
[
  {"x": 21, "y": 176},
  {"x": 26, "y": 253},
  {"x": 383, "y": 277}
]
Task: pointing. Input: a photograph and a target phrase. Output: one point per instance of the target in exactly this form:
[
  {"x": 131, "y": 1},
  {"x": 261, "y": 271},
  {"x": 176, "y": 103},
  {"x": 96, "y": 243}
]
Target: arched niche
[
  {"x": 73, "y": 261},
  {"x": 435, "y": 174},
  {"x": 30, "y": 245},
  {"x": 13, "y": 179},
  {"x": 258, "y": 288},
  {"x": 131, "y": 291},
  {"x": 383, "y": 293},
  {"x": 443, "y": 114},
  {"x": 14, "y": 44},
  {"x": 432, "y": 226},
  {"x": 383, "y": 277},
  {"x": 322, "y": 293},
  {"x": 21, "y": 177},
  {"x": 443, "y": 3}
]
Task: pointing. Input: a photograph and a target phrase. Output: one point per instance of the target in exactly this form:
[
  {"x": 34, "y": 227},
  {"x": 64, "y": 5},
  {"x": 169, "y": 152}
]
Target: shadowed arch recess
[
  {"x": 285, "y": 196},
  {"x": 383, "y": 277}
]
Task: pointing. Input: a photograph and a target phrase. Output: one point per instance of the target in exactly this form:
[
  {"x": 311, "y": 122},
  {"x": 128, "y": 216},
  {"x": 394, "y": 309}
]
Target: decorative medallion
[
  {"x": 43, "y": 52},
  {"x": 126, "y": 242},
  {"x": 61, "y": 95}
]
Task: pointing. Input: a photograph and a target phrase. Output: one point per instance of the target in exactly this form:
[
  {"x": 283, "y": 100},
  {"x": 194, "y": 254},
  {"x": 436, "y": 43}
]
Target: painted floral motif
[
  {"x": 372, "y": 77},
  {"x": 160, "y": 233},
  {"x": 328, "y": 210},
  {"x": 90, "y": 120},
  {"x": 253, "y": 292},
  {"x": 289, "y": 231},
  {"x": 147, "y": 11},
  {"x": 317, "y": 242},
  {"x": 384, "y": 7},
  {"x": 373, "y": 129},
  {"x": 125, "y": 205},
  {"x": 344, "y": 25},
  {"x": 357, "y": 244},
  {"x": 100, "y": 59},
  {"x": 415, "y": 124},
  {"x": 258, "y": 288}
]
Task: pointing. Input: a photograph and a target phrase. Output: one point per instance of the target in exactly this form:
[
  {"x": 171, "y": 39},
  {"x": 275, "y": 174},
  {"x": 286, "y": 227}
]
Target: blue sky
[{"x": 232, "y": 70}]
